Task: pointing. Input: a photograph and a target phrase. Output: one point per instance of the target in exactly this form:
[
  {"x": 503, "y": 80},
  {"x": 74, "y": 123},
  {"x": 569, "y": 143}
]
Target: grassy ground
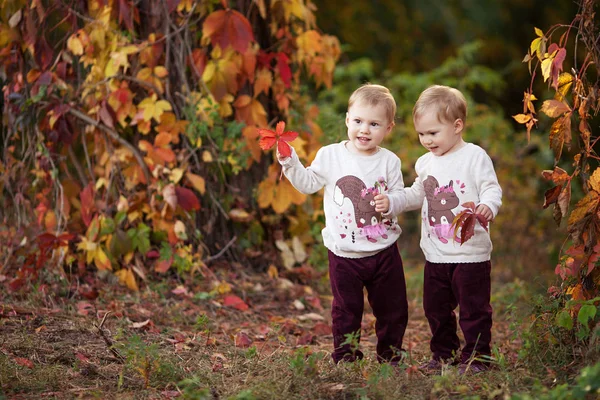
[{"x": 187, "y": 341}]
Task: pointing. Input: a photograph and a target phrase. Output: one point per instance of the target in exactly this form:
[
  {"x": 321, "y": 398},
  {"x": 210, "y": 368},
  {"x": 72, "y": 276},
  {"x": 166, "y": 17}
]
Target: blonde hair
[
  {"x": 447, "y": 102},
  {"x": 375, "y": 95}
]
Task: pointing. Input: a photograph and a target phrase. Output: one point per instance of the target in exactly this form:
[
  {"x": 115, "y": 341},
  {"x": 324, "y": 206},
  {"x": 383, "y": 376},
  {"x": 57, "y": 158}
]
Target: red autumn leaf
[
  {"x": 198, "y": 60},
  {"x": 551, "y": 196},
  {"x": 127, "y": 13},
  {"x": 242, "y": 340},
  {"x": 465, "y": 223},
  {"x": 87, "y": 203},
  {"x": 24, "y": 362},
  {"x": 284, "y": 69},
  {"x": 268, "y": 138},
  {"x": 228, "y": 28},
  {"x": 81, "y": 357},
  {"x": 187, "y": 199},
  {"x": 235, "y": 302},
  {"x": 163, "y": 266},
  {"x": 321, "y": 329}
]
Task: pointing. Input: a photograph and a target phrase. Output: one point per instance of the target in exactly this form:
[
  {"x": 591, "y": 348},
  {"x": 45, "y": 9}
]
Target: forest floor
[{"x": 267, "y": 337}]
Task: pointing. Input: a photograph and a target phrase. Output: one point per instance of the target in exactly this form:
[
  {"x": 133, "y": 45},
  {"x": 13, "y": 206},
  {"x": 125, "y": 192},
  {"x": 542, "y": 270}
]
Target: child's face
[
  {"x": 367, "y": 127},
  {"x": 438, "y": 137}
]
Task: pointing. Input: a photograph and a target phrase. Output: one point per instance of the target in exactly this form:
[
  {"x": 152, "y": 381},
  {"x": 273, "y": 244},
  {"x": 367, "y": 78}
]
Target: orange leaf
[
  {"x": 228, "y": 28},
  {"x": 163, "y": 266},
  {"x": 24, "y": 362},
  {"x": 554, "y": 108}
]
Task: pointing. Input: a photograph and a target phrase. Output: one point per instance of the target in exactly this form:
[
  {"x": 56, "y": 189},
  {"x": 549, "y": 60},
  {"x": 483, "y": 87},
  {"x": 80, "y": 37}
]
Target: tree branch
[{"x": 114, "y": 135}]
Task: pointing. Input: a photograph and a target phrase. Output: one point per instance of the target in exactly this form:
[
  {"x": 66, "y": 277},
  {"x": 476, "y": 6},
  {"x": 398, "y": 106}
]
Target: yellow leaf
[
  {"x": 595, "y": 180},
  {"x": 584, "y": 207},
  {"x": 538, "y": 32},
  {"x": 98, "y": 37},
  {"x": 50, "y": 221},
  {"x": 179, "y": 230},
  {"x": 127, "y": 278},
  {"x": 176, "y": 175},
  {"x": 309, "y": 44},
  {"x": 222, "y": 287},
  {"x": 522, "y": 118},
  {"x": 266, "y": 192},
  {"x": 565, "y": 81},
  {"x": 283, "y": 197},
  {"x": 263, "y": 81},
  {"x": 547, "y": 67},
  {"x": 153, "y": 109},
  {"x": 145, "y": 74},
  {"x": 207, "y": 156},
  {"x": 101, "y": 260},
  {"x": 272, "y": 272},
  {"x": 197, "y": 182},
  {"x": 160, "y": 71},
  {"x": 74, "y": 45}
]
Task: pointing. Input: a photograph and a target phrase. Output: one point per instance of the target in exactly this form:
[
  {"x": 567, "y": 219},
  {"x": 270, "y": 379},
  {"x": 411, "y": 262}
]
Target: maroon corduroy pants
[
  {"x": 382, "y": 275},
  {"x": 467, "y": 285}
]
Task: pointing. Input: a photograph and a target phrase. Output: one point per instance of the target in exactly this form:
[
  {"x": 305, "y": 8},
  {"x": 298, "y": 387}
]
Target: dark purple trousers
[
  {"x": 383, "y": 276},
  {"x": 467, "y": 285}
]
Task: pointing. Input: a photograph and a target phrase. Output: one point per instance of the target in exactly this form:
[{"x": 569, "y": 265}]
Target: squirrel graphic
[
  {"x": 363, "y": 201},
  {"x": 440, "y": 202}
]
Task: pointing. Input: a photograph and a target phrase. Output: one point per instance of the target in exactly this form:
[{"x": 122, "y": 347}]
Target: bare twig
[
  {"x": 220, "y": 253},
  {"x": 114, "y": 135},
  {"x": 107, "y": 340}
]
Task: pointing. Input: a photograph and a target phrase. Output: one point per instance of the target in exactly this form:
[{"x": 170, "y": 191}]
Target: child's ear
[
  {"x": 459, "y": 125},
  {"x": 346, "y": 119},
  {"x": 390, "y": 127}
]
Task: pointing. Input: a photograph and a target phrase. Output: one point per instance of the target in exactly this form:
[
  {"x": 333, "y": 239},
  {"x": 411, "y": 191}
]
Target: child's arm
[
  {"x": 305, "y": 180},
  {"x": 400, "y": 198},
  {"x": 490, "y": 192},
  {"x": 392, "y": 202},
  {"x": 415, "y": 194}
]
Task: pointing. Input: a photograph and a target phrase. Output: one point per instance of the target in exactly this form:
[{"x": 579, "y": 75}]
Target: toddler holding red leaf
[
  {"x": 363, "y": 194},
  {"x": 454, "y": 179}
]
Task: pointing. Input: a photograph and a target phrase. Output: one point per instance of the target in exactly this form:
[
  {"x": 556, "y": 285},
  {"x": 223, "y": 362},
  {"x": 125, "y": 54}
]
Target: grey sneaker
[
  {"x": 431, "y": 367},
  {"x": 472, "y": 368}
]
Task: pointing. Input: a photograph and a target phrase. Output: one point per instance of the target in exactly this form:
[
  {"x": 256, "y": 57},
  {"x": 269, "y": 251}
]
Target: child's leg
[
  {"x": 439, "y": 304},
  {"x": 472, "y": 287},
  {"x": 348, "y": 304},
  {"x": 387, "y": 296}
]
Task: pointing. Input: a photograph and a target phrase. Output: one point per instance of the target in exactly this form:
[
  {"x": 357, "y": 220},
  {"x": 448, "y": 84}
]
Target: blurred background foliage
[{"x": 476, "y": 47}]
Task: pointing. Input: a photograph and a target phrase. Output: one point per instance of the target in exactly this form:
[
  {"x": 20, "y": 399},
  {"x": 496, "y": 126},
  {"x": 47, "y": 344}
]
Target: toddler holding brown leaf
[
  {"x": 454, "y": 178},
  {"x": 363, "y": 194}
]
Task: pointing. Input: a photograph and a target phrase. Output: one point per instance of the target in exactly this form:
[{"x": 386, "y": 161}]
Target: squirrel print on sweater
[
  {"x": 440, "y": 202},
  {"x": 363, "y": 201}
]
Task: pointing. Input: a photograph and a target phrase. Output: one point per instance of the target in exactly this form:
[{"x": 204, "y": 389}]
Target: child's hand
[
  {"x": 280, "y": 157},
  {"x": 382, "y": 203},
  {"x": 484, "y": 210}
]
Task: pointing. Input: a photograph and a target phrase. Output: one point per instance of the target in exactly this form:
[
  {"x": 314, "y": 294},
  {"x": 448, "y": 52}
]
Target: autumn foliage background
[{"x": 129, "y": 139}]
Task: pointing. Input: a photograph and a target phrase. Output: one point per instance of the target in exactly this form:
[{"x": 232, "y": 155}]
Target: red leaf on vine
[
  {"x": 465, "y": 223},
  {"x": 187, "y": 199},
  {"x": 228, "y": 28},
  {"x": 268, "y": 139}
]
